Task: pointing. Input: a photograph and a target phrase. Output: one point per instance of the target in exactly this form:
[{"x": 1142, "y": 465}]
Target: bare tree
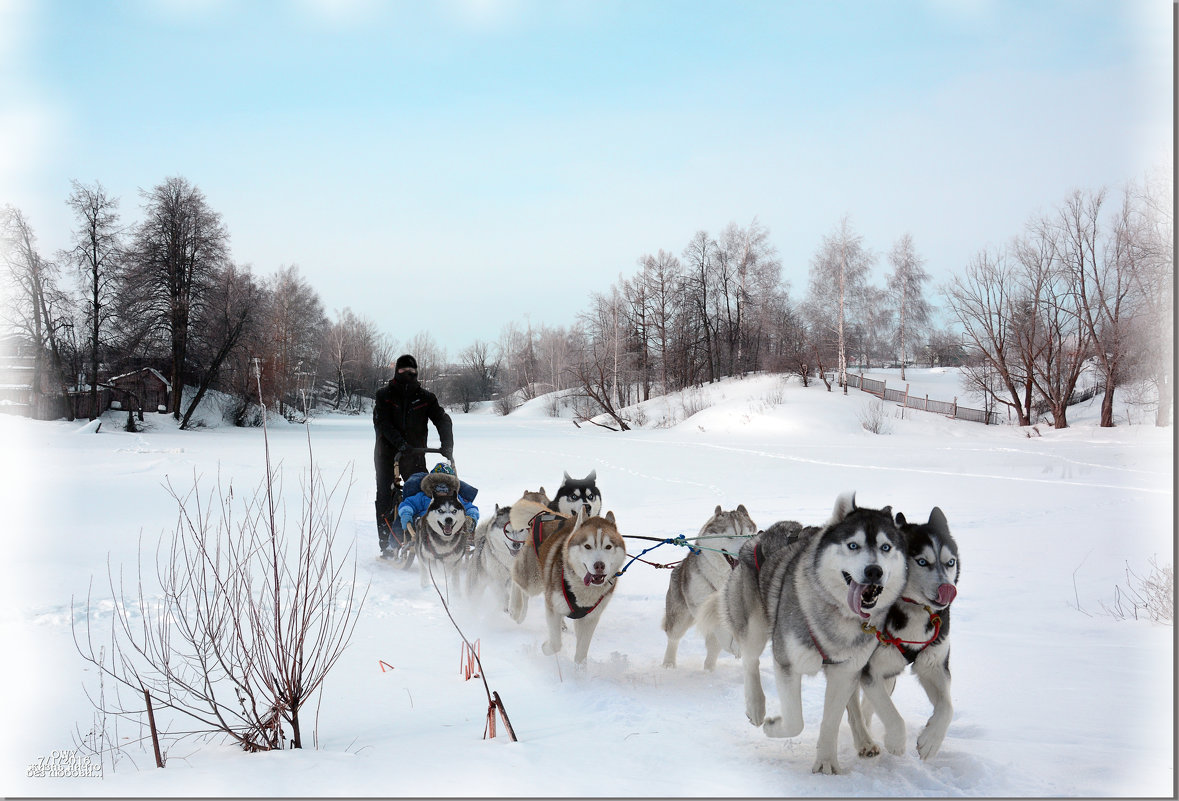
[
  {"x": 179, "y": 248},
  {"x": 35, "y": 306},
  {"x": 1152, "y": 220},
  {"x": 293, "y": 331},
  {"x": 984, "y": 300},
  {"x": 1055, "y": 339},
  {"x": 700, "y": 267},
  {"x": 97, "y": 253},
  {"x": 232, "y": 312},
  {"x": 350, "y": 350},
  {"x": 906, "y": 291},
  {"x": 661, "y": 276},
  {"x": 838, "y": 271}
]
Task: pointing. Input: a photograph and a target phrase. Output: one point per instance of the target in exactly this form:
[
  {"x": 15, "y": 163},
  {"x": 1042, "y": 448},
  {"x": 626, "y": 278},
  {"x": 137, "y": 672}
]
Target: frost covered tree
[
  {"x": 838, "y": 272},
  {"x": 905, "y": 287}
]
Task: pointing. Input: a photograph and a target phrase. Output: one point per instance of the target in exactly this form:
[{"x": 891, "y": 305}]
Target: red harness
[
  {"x": 575, "y": 612},
  {"x": 934, "y": 618}
]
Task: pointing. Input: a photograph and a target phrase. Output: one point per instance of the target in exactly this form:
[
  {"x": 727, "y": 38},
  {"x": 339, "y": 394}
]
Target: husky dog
[
  {"x": 817, "y": 589},
  {"x": 916, "y": 632},
  {"x": 580, "y": 571},
  {"x": 574, "y": 494},
  {"x": 538, "y": 522},
  {"x": 738, "y": 612},
  {"x": 440, "y": 534},
  {"x": 496, "y": 545},
  {"x": 701, "y": 574}
]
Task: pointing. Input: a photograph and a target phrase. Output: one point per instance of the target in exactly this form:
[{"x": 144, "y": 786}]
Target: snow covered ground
[{"x": 1052, "y": 695}]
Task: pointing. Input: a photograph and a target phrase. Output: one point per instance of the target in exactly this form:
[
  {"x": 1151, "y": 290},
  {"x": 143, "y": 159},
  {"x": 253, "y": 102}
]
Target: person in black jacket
[{"x": 400, "y": 414}]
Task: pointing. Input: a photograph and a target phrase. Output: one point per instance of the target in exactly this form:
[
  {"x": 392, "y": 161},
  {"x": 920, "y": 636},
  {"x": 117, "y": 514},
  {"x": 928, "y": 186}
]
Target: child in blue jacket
[{"x": 438, "y": 483}]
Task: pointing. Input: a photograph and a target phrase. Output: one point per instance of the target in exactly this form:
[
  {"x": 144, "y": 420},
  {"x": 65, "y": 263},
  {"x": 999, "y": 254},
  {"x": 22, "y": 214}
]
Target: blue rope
[{"x": 677, "y": 540}]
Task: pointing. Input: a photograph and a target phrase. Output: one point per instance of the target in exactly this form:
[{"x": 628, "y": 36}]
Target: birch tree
[
  {"x": 905, "y": 286},
  {"x": 838, "y": 271}
]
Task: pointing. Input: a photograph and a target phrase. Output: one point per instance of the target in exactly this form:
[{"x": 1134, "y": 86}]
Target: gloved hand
[
  {"x": 469, "y": 526},
  {"x": 447, "y": 452}
]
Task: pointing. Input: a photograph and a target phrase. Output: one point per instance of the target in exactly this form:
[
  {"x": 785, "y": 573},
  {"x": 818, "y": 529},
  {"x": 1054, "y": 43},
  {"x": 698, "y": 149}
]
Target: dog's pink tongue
[
  {"x": 946, "y": 594},
  {"x": 855, "y": 593},
  {"x": 588, "y": 578}
]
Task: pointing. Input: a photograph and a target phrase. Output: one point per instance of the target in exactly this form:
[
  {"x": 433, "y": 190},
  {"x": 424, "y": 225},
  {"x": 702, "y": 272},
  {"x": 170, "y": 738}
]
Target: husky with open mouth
[
  {"x": 917, "y": 633},
  {"x": 818, "y": 589},
  {"x": 580, "y": 565}
]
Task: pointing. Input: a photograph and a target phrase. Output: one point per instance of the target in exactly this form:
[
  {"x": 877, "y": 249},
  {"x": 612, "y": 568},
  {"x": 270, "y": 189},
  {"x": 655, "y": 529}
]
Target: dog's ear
[
  {"x": 741, "y": 508},
  {"x": 593, "y": 476},
  {"x": 888, "y": 511},
  {"x": 845, "y": 504},
  {"x": 717, "y": 512},
  {"x": 610, "y": 517},
  {"x": 542, "y": 492},
  {"x": 567, "y": 478},
  {"x": 938, "y": 522},
  {"x": 901, "y": 521}
]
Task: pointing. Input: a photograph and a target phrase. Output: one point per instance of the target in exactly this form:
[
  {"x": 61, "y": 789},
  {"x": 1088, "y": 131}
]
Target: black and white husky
[
  {"x": 699, "y": 575},
  {"x": 578, "y": 495},
  {"x": 440, "y": 539},
  {"x": 808, "y": 592},
  {"x": 916, "y": 632}
]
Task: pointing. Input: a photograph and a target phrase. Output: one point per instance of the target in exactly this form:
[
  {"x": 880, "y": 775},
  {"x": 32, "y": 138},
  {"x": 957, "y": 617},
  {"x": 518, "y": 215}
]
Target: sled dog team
[{"x": 858, "y": 598}]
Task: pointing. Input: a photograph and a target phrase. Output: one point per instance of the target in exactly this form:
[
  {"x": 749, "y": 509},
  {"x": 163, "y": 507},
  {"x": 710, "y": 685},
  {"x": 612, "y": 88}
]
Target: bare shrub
[
  {"x": 506, "y": 403},
  {"x": 1150, "y": 597},
  {"x": 693, "y": 402},
  {"x": 874, "y": 419},
  {"x": 253, "y": 611}
]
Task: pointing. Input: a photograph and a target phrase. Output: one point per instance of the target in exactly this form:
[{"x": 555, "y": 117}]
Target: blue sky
[{"x": 456, "y": 165}]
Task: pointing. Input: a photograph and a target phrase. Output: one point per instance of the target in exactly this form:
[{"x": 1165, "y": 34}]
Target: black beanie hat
[{"x": 406, "y": 361}]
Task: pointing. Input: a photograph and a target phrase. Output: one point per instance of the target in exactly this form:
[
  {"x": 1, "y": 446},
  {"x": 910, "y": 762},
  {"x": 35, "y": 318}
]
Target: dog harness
[
  {"x": 934, "y": 619},
  {"x": 576, "y": 612},
  {"x": 536, "y": 525}
]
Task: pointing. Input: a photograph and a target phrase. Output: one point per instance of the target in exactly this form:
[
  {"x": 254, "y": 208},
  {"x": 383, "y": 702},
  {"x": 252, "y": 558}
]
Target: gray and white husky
[
  {"x": 699, "y": 576},
  {"x": 578, "y": 495},
  {"x": 490, "y": 565},
  {"x": 817, "y": 587},
  {"x": 440, "y": 539},
  {"x": 495, "y": 547},
  {"x": 916, "y": 632}
]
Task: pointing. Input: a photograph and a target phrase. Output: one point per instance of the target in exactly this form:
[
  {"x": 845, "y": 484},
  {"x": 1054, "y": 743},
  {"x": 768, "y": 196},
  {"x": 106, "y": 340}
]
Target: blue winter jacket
[{"x": 416, "y": 505}]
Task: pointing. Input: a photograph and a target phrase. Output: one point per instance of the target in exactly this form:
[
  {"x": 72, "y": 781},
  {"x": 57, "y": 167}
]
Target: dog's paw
[
  {"x": 669, "y": 663},
  {"x": 548, "y": 649},
  {"x": 929, "y": 743},
  {"x": 895, "y": 745},
  {"x": 778, "y": 727},
  {"x": 870, "y": 750},
  {"x": 827, "y": 766}
]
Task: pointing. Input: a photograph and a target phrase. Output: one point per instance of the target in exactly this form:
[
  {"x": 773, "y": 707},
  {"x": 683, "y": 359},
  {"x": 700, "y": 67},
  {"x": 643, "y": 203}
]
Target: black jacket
[{"x": 401, "y": 413}]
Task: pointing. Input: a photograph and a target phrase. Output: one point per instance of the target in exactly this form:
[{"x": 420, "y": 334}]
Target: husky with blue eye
[
  {"x": 817, "y": 588},
  {"x": 578, "y": 494},
  {"x": 916, "y": 632}
]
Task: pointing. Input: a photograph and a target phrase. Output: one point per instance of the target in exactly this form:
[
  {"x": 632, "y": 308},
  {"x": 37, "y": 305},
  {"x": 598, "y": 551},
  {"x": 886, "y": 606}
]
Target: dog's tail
[{"x": 712, "y": 619}]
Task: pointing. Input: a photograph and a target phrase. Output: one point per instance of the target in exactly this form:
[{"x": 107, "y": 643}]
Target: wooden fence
[{"x": 922, "y": 403}]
